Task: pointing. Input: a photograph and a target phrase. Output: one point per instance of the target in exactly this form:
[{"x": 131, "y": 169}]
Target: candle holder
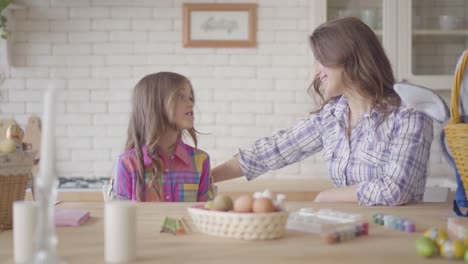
[
  {"x": 46, "y": 237},
  {"x": 45, "y": 185}
]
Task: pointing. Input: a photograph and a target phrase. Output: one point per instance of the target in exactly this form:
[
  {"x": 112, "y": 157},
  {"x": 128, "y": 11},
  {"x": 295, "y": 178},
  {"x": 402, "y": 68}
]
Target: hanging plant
[{"x": 5, "y": 33}]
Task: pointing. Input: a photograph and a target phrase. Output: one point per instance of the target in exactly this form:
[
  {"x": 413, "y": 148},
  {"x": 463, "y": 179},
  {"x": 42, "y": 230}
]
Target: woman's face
[{"x": 331, "y": 79}]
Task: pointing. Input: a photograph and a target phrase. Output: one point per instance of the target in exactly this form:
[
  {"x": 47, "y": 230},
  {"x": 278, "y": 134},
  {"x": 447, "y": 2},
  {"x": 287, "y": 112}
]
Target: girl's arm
[
  {"x": 404, "y": 177},
  {"x": 205, "y": 185},
  {"x": 121, "y": 183},
  {"x": 270, "y": 153}
]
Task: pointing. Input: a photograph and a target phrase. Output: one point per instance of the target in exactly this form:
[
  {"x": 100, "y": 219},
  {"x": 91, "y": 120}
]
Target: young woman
[{"x": 377, "y": 150}]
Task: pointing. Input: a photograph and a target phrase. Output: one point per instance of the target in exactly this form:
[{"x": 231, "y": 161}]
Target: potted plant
[{"x": 3, "y": 20}]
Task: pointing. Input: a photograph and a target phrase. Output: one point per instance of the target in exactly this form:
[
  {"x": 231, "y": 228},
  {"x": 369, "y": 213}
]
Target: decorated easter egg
[
  {"x": 7, "y": 146},
  {"x": 453, "y": 249},
  {"x": 437, "y": 235},
  {"x": 15, "y": 132},
  {"x": 426, "y": 247},
  {"x": 440, "y": 240}
]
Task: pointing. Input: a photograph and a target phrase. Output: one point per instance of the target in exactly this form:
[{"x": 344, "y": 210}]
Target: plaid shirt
[
  {"x": 185, "y": 176},
  {"x": 388, "y": 162}
]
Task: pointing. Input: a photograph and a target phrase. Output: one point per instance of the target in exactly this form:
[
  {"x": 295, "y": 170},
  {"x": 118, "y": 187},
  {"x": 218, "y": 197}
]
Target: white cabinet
[
  {"x": 432, "y": 36},
  {"x": 423, "y": 38},
  {"x": 378, "y": 14}
]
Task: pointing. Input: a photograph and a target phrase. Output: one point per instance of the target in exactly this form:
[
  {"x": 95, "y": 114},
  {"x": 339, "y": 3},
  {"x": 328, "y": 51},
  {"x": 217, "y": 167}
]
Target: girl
[
  {"x": 157, "y": 165},
  {"x": 377, "y": 150}
]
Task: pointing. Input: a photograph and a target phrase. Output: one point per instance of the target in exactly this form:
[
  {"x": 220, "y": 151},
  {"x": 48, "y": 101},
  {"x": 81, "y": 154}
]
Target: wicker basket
[
  {"x": 456, "y": 131},
  {"x": 247, "y": 226},
  {"x": 15, "y": 172}
]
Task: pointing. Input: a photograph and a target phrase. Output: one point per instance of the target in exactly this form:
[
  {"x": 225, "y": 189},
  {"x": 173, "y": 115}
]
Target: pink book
[{"x": 70, "y": 217}]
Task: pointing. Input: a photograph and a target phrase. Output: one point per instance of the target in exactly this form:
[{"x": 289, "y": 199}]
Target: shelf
[{"x": 440, "y": 32}]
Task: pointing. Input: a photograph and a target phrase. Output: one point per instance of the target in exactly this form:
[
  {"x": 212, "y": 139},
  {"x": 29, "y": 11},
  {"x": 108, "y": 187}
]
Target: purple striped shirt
[{"x": 388, "y": 162}]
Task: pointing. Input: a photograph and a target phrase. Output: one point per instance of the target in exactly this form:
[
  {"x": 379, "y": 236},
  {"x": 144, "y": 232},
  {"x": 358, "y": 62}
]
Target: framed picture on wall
[{"x": 220, "y": 25}]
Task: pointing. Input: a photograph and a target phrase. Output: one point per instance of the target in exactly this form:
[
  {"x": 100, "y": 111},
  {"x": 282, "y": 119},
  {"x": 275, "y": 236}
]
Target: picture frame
[{"x": 218, "y": 25}]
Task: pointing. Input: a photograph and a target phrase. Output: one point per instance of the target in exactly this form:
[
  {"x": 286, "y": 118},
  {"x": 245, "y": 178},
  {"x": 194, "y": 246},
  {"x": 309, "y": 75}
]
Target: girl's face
[
  {"x": 331, "y": 79},
  {"x": 183, "y": 114}
]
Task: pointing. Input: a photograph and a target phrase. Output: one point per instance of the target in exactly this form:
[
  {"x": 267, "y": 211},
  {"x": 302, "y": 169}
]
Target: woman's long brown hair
[
  {"x": 351, "y": 44},
  {"x": 153, "y": 104}
]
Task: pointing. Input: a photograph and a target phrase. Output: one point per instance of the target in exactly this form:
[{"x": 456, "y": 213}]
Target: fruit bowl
[{"x": 246, "y": 226}]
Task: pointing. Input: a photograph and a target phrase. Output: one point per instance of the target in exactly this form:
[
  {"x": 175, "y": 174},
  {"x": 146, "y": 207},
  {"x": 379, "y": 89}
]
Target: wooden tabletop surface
[{"x": 85, "y": 244}]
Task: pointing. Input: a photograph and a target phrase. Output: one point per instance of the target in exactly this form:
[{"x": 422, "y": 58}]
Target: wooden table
[{"x": 85, "y": 244}]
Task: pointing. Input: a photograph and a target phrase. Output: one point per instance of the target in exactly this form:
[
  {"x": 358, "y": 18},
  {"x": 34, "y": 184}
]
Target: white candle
[
  {"x": 24, "y": 227},
  {"x": 46, "y": 175},
  {"x": 120, "y": 232}
]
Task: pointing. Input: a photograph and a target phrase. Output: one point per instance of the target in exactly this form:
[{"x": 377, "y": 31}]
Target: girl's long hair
[
  {"x": 351, "y": 44},
  {"x": 153, "y": 104}
]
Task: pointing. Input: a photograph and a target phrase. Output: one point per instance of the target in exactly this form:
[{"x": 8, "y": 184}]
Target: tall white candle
[
  {"x": 120, "y": 232},
  {"x": 47, "y": 160},
  {"x": 24, "y": 227}
]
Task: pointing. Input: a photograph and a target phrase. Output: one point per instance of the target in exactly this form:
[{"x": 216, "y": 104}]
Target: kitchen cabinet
[{"x": 423, "y": 38}]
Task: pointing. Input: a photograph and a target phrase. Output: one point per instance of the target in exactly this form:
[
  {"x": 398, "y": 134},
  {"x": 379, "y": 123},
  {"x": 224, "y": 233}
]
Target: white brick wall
[{"x": 100, "y": 48}]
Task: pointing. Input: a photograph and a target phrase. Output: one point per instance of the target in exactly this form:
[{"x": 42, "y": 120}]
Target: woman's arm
[
  {"x": 346, "y": 194},
  {"x": 227, "y": 171},
  {"x": 270, "y": 153}
]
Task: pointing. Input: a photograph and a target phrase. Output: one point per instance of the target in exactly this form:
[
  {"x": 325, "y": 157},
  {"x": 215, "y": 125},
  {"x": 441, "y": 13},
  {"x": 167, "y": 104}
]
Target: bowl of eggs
[{"x": 249, "y": 217}]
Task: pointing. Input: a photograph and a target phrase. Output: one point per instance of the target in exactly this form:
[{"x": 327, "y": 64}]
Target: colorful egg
[
  {"x": 409, "y": 226},
  {"x": 453, "y": 249},
  {"x": 441, "y": 240},
  {"x": 437, "y": 235},
  {"x": 380, "y": 219},
  {"x": 426, "y": 247},
  {"x": 374, "y": 218}
]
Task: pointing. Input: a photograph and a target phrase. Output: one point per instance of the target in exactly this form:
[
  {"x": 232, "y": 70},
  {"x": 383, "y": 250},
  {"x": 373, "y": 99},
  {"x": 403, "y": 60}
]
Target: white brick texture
[{"x": 99, "y": 49}]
